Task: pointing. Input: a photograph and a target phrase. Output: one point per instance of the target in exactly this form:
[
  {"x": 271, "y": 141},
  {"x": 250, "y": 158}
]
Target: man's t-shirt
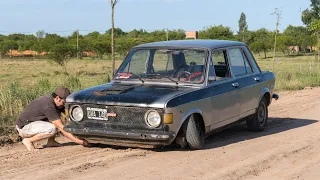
[{"x": 41, "y": 109}]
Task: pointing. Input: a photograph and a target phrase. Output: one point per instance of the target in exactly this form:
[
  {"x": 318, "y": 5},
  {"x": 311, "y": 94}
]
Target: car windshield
[{"x": 170, "y": 65}]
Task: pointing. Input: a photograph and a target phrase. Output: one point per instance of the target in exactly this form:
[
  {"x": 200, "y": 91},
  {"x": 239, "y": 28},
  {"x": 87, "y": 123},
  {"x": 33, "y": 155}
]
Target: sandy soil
[{"x": 288, "y": 149}]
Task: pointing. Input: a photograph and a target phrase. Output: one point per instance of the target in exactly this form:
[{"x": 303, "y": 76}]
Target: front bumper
[{"x": 129, "y": 138}]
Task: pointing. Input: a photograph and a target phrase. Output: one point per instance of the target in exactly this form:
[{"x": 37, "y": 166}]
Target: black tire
[
  {"x": 194, "y": 134},
  {"x": 258, "y": 122}
]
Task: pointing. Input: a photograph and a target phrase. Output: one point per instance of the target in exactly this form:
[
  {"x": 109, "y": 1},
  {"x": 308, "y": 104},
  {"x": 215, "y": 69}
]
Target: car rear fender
[{"x": 265, "y": 92}]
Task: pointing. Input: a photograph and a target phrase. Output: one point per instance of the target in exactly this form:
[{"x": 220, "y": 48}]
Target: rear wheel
[
  {"x": 194, "y": 133},
  {"x": 258, "y": 122}
]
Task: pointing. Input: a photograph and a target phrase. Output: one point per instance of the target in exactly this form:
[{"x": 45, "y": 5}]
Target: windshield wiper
[
  {"x": 161, "y": 76},
  {"x": 139, "y": 77}
]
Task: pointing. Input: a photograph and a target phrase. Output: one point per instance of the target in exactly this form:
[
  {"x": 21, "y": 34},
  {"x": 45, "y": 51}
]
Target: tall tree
[
  {"x": 243, "y": 26},
  {"x": 113, "y": 4},
  {"x": 262, "y": 40},
  {"x": 61, "y": 54},
  {"x": 216, "y": 32},
  {"x": 40, "y": 34},
  {"x": 312, "y": 13},
  {"x": 311, "y": 18}
]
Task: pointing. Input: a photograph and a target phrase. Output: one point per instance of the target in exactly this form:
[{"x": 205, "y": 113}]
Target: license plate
[{"x": 97, "y": 113}]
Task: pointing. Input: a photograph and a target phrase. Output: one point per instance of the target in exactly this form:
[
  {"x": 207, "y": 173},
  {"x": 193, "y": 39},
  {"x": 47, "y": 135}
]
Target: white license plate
[{"x": 97, "y": 113}]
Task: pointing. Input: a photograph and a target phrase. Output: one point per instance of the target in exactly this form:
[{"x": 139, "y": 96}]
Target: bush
[{"x": 14, "y": 98}]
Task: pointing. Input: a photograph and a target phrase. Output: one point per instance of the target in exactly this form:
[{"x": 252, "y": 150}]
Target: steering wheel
[
  {"x": 189, "y": 76},
  {"x": 186, "y": 75},
  {"x": 176, "y": 70}
]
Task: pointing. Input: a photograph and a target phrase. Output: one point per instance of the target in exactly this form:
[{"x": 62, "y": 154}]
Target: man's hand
[
  {"x": 59, "y": 125},
  {"x": 85, "y": 143}
]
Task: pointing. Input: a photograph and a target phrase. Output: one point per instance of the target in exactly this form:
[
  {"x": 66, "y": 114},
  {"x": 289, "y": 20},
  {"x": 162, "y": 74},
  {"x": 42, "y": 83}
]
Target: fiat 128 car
[{"x": 174, "y": 92}]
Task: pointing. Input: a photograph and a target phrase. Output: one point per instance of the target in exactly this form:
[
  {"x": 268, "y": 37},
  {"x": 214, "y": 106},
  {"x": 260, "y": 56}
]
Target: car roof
[{"x": 209, "y": 44}]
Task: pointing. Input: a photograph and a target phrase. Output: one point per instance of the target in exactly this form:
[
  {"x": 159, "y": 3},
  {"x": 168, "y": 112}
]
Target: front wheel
[
  {"x": 258, "y": 122},
  {"x": 194, "y": 134}
]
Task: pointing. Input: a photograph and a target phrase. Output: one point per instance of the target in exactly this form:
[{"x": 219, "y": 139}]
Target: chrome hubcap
[{"x": 261, "y": 114}]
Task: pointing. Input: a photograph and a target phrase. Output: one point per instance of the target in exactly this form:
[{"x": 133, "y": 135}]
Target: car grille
[{"x": 128, "y": 116}]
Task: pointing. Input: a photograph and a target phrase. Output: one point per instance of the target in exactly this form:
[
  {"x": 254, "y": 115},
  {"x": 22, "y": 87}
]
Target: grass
[
  {"x": 29, "y": 72},
  {"x": 22, "y": 80},
  {"x": 293, "y": 73}
]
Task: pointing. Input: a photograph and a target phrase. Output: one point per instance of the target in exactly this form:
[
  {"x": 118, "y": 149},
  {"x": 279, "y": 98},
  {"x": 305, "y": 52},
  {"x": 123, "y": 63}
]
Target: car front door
[{"x": 225, "y": 104}]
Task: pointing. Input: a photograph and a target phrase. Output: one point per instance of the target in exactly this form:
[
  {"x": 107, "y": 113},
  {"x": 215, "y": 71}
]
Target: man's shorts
[{"x": 37, "y": 127}]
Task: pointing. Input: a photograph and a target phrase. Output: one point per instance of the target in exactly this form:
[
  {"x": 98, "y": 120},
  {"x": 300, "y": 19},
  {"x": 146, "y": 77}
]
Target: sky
[{"x": 65, "y": 16}]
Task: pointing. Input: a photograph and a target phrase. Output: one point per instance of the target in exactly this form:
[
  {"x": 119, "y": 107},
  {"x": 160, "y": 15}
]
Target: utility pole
[
  {"x": 113, "y": 4},
  {"x": 77, "y": 43},
  {"x": 167, "y": 34},
  {"x": 278, "y": 14}
]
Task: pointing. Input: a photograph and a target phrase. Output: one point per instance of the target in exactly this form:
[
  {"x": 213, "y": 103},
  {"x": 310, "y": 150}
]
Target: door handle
[
  {"x": 235, "y": 84},
  {"x": 256, "y": 79}
]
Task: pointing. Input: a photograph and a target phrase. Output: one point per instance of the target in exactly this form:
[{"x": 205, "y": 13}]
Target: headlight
[
  {"x": 76, "y": 113},
  {"x": 152, "y": 118}
]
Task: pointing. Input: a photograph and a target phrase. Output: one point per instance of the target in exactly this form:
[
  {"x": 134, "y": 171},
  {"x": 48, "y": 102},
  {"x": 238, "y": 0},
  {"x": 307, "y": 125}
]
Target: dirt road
[{"x": 288, "y": 149}]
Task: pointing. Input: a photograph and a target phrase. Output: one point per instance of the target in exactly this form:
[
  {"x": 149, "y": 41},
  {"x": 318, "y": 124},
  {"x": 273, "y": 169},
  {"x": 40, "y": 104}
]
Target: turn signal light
[{"x": 168, "y": 118}]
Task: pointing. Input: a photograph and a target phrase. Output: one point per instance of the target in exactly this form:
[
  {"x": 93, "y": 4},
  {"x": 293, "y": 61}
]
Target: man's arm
[{"x": 59, "y": 125}]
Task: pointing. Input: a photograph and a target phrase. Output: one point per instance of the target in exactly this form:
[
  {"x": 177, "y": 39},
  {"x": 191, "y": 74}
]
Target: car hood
[{"x": 127, "y": 95}]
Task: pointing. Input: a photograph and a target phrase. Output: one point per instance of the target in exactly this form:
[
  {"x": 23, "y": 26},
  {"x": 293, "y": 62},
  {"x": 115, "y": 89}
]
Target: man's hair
[{"x": 54, "y": 95}]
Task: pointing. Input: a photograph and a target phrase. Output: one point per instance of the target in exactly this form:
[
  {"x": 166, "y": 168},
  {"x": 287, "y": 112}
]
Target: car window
[
  {"x": 251, "y": 59},
  {"x": 219, "y": 68},
  {"x": 197, "y": 57},
  {"x": 246, "y": 62},
  {"x": 162, "y": 61},
  {"x": 164, "y": 65},
  {"x": 138, "y": 58},
  {"x": 238, "y": 66}
]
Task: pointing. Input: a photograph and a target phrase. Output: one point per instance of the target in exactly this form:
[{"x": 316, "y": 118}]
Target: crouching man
[{"x": 41, "y": 120}]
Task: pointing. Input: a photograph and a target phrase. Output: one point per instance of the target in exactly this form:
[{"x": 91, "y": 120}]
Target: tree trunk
[
  {"x": 265, "y": 53},
  {"x": 318, "y": 45},
  {"x": 112, "y": 43}
]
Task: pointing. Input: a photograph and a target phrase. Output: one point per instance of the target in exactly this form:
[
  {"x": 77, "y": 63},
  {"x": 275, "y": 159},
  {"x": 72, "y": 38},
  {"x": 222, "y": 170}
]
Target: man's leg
[
  {"x": 28, "y": 142},
  {"x": 52, "y": 142},
  {"x": 37, "y": 131}
]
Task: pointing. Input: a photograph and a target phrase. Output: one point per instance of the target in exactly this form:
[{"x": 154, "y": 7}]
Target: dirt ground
[{"x": 288, "y": 149}]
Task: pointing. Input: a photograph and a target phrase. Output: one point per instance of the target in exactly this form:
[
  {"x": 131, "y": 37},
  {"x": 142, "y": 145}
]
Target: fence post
[
  {"x": 300, "y": 68},
  {"x": 309, "y": 67}
]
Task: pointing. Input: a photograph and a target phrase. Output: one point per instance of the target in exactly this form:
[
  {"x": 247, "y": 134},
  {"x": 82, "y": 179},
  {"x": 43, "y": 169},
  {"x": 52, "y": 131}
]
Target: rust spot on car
[{"x": 99, "y": 93}]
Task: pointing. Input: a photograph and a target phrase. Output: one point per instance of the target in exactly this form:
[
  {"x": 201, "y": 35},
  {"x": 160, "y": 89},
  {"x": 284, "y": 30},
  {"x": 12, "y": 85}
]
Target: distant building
[
  {"x": 89, "y": 54},
  {"x": 294, "y": 49},
  {"x": 192, "y": 34},
  {"x": 26, "y": 53}
]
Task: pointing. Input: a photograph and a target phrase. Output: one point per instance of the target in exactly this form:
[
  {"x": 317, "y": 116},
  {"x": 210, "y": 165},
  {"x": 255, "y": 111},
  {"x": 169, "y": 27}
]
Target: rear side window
[
  {"x": 247, "y": 64},
  {"x": 239, "y": 62}
]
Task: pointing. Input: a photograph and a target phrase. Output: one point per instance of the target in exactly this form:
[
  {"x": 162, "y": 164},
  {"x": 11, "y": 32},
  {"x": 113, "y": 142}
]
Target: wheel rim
[{"x": 262, "y": 113}]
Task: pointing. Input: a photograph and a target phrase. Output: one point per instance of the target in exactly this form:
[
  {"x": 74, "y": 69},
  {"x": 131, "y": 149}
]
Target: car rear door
[
  {"x": 225, "y": 104},
  {"x": 247, "y": 79}
]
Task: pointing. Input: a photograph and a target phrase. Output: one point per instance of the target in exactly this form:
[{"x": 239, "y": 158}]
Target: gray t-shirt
[{"x": 41, "y": 109}]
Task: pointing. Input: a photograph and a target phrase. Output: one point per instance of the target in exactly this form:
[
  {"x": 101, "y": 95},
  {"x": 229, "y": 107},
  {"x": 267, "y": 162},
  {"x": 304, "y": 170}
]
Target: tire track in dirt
[{"x": 68, "y": 162}]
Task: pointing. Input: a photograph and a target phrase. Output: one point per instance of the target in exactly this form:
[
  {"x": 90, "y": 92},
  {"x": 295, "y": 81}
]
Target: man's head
[{"x": 60, "y": 95}]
